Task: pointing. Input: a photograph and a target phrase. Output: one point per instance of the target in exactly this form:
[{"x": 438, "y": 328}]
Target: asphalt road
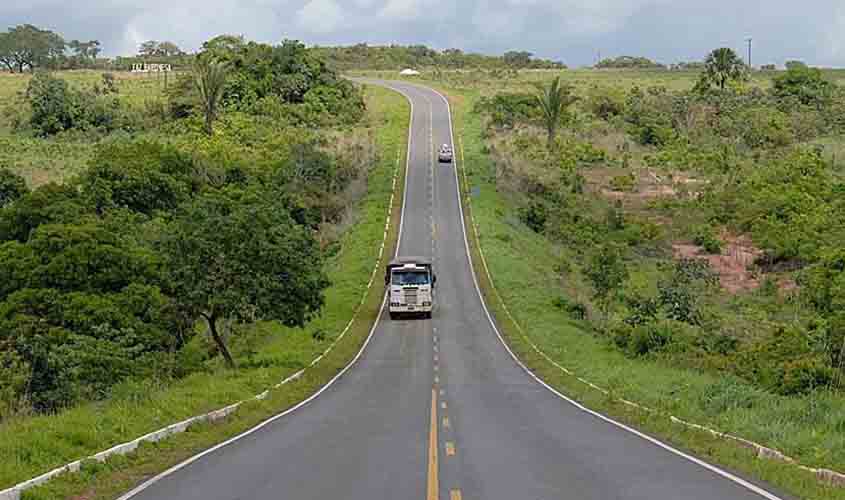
[{"x": 438, "y": 408}]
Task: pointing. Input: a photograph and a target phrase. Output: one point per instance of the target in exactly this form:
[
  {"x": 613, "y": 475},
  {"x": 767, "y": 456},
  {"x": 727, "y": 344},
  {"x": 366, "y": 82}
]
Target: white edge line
[
  {"x": 331, "y": 382},
  {"x": 727, "y": 475}
]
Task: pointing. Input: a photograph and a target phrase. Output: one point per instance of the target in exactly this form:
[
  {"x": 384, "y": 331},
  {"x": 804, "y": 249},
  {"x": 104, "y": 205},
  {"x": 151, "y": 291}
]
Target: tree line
[
  {"x": 394, "y": 57},
  {"x": 27, "y": 47}
]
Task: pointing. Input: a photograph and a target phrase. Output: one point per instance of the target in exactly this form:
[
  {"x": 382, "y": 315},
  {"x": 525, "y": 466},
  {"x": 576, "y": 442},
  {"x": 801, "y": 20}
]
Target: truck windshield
[{"x": 410, "y": 278}]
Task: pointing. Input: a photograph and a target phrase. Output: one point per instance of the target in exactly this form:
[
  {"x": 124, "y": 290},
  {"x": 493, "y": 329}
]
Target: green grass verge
[
  {"x": 32, "y": 446},
  {"x": 521, "y": 264}
]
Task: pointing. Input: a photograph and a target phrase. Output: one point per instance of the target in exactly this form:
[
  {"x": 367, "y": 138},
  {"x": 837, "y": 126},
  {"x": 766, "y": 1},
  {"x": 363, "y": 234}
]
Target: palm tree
[
  {"x": 723, "y": 65},
  {"x": 554, "y": 99},
  {"x": 209, "y": 80}
]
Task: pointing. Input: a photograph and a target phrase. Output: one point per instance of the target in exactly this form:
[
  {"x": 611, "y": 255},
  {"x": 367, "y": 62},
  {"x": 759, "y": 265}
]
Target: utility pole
[{"x": 750, "y": 66}]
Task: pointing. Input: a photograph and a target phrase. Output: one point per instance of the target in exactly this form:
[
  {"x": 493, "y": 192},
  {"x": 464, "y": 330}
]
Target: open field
[
  {"x": 267, "y": 354},
  {"x": 537, "y": 277}
]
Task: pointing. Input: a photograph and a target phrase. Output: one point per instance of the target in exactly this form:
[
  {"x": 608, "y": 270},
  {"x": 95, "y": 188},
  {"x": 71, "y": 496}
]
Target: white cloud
[{"x": 320, "y": 16}]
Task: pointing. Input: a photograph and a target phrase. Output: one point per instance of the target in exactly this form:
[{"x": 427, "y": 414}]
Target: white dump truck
[{"x": 410, "y": 283}]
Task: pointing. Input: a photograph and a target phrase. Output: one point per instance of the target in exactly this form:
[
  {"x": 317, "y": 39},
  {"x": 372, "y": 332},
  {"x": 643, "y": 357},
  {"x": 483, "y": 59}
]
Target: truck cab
[{"x": 410, "y": 283}]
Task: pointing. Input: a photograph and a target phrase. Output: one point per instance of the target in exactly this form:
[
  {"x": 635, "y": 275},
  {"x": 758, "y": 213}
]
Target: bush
[
  {"x": 605, "y": 103},
  {"x": 624, "y": 183},
  {"x": 55, "y": 107},
  {"x": 575, "y": 310},
  {"x": 705, "y": 237},
  {"x": 12, "y": 187},
  {"x": 534, "y": 216},
  {"x": 507, "y": 110}
]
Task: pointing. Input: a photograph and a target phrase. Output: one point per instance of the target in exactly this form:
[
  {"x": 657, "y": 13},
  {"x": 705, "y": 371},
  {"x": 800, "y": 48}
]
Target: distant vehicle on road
[
  {"x": 445, "y": 154},
  {"x": 410, "y": 281}
]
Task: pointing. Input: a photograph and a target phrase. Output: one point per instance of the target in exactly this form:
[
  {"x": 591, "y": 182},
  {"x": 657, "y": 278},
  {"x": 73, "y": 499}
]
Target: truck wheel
[
  {"x": 427, "y": 315},
  {"x": 393, "y": 315}
]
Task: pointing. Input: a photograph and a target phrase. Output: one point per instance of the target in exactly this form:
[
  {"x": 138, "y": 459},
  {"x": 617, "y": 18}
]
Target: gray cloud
[{"x": 569, "y": 30}]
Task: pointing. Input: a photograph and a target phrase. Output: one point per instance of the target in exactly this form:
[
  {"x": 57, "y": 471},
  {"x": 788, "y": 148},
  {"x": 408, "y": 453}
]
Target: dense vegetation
[
  {"x": 169, "y": 232},
  {"x": 396, "y": 57},
  {"x": 628, "y": 62},
  {"x": 646, "y": 189}
]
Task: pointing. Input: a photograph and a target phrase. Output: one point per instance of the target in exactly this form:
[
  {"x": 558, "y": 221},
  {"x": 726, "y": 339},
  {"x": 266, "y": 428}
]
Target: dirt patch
[{"x": 733, "y": 265}]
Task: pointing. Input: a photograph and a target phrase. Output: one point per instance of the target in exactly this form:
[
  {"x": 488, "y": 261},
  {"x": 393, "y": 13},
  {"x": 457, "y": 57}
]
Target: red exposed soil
[{"x": 732, "y": 265}]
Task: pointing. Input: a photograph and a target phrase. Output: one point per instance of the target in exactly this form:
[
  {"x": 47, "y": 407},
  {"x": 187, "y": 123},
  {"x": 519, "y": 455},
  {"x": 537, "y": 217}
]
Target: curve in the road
[{"x": 442, "y": 408}]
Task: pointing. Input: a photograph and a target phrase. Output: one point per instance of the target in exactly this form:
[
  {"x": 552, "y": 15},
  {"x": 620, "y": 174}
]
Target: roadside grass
[
  {"x": 40, "y": 160},
  {"x": 32, "y": 446},
  {"x": 521, "y": 263}
]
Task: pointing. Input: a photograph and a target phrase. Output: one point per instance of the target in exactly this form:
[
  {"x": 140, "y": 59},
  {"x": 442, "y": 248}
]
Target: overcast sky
[{"x": 573, "y": 31}]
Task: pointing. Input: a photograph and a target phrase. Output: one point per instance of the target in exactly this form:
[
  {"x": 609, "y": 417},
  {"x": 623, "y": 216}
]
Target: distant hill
[{"x": 374, "y": 57}]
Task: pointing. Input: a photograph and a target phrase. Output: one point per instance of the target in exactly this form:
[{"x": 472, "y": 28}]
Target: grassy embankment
[
  {"x": 40, "y": 160},
  {"x": 35, "y": 445},
  {"x": 521, "y": 263}
]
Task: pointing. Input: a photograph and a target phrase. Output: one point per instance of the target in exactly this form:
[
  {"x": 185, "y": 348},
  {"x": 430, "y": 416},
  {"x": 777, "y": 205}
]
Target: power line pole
[{"x": 750, "y": 66}]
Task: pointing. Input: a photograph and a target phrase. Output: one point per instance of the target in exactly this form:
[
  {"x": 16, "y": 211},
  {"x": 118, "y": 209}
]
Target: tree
[
  {"x": 239, "y": 255},
  {"x": 28, "y": 47},
  {"x": 808, "y": 85},
  {"x": 169, "y": 49},
  {"x": 12, "y": 187},
  {"x": 607, "y": 272},
  {"x": 85, "y": 53},
  {"x": 148, "y": 48},
  {"x": 554, "y": 99},
  {"x": 153, "y": 48},
  {"x": 517, "y": 59},
  {"x": 210, "y": 80},
  {"x": 722, "y": 66}
]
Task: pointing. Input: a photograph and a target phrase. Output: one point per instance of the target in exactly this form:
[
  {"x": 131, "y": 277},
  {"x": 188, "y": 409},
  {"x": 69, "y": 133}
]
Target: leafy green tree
[
  {"x": 554, "y": 99},
  {"x": 28, "y": 47},
  {"x": 606, "y": 271},
  {"x": 49, "y": 203},
  {"x": 807, "y": 85},
  {"x": 54, "y": 105},
  {"x": 517, "y": 59},
  {"x": 141, "y": 176},
  {"x": 12, "y": 187},
  {"x": 210, "y": 80},
  {"x": 154, "y": 48},
  {"x": 239, "y": 255},
  {"x": 723, "y": 66}
]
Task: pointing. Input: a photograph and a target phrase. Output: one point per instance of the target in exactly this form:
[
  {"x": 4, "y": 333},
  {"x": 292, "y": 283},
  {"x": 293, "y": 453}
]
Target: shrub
[
  {"x": 55, "y": 107},
  {"x": 12, "y": 187},
  {"x": 650, "y": 338},
  {"x": 705, "y": 237},
  {"x": 575, "y": 310},
  {"x": 625, "y": 183},
  {"x": 605, "y": 103},
  {"x": 534, "y": 216}
]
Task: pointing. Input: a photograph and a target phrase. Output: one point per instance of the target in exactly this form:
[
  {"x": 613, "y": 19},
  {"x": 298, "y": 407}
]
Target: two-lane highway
[{"x": 439, "y": 408}]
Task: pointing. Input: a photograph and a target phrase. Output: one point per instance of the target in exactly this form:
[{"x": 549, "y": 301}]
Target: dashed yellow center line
[
  {"x": 443, "y": 405},
  {"x": 436, "y": 379},
  {"x": 433, "y": 490},
  {"x": 450, "y": 449},
  {"x": 436, "y": 358},
  {"x": 455, "y": 495},
  {"x": 446, "y": 423}
]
